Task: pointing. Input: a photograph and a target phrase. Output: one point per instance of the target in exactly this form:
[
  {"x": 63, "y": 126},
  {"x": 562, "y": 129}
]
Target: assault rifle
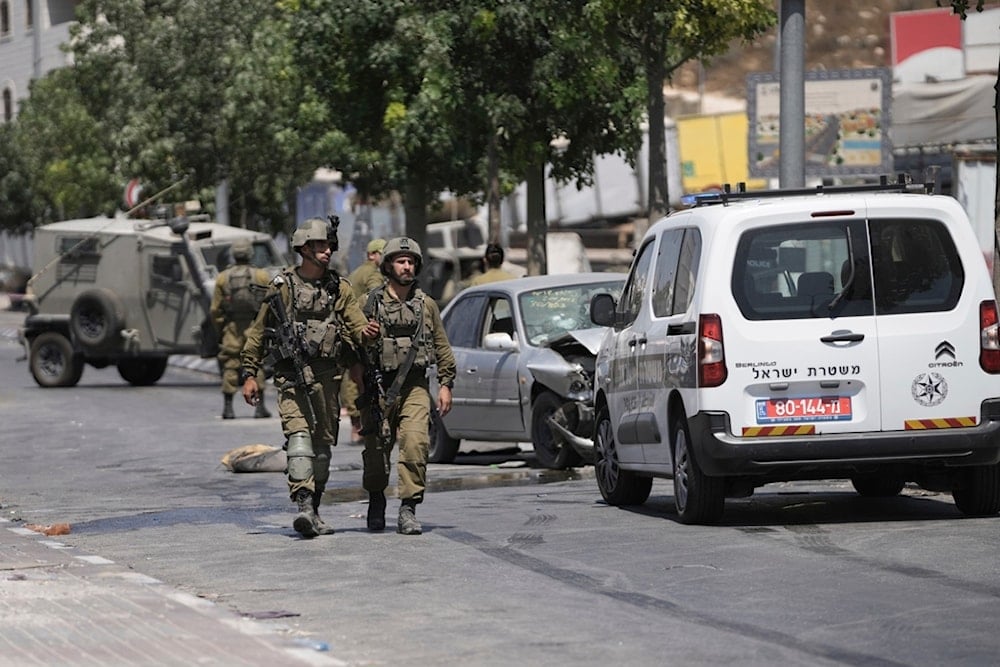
[
  {"x": 288, "y": 344},
  {"x": 372, "y": 401}
]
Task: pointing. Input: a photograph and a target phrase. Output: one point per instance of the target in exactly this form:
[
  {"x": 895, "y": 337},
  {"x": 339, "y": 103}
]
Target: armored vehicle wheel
[
  {"x": 443, "y": 447},
  {"x": 53, "y": 362},
  {"x": 549, "y": 452},
  {"x": 142, "y": 371},
  {"x": 96, "y": 319},
  {"x": 617, "y": 486}
]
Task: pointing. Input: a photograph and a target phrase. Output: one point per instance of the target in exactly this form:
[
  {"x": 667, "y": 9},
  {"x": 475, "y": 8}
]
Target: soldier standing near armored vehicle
[
  {"x": 235, "y": 302},
  {"x": 412, "y": 340},
  {"x": 310, "y": 319}
]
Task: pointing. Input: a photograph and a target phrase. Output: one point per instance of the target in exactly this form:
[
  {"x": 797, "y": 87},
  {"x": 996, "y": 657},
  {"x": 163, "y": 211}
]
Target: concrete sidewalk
[{"x": 62, "y": 607}]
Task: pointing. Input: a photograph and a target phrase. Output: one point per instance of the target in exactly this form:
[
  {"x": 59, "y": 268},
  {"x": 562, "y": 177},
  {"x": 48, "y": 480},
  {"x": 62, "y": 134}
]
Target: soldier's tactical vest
[
  {"x": 240, "y": 301},
  {"x": 313, "y": 309},
  {"x": 399, "y": 322}
]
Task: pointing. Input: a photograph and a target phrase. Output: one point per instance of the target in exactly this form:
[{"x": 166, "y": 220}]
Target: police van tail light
[
  {"x": 989, "y": 337},
  {"x": 711, "y": 356}
]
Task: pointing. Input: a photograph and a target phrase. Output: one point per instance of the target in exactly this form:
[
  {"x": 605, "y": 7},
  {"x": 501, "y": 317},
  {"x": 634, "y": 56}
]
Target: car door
[
  {"x": 802, "y": 352},
  {"x": 172, "y": 301},
  {"x": 670, "y": 358},
  {"x": 927, "y": 313},
  {"x": 628, "y": 347},
  {"x": 463, "y": 325}
]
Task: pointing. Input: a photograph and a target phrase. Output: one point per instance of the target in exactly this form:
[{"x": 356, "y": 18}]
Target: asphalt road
[{"x": 516, "y": 566}]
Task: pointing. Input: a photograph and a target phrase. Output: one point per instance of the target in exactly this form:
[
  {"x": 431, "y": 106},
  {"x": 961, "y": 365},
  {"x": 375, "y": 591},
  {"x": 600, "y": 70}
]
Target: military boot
[
  {"x": 261, "y": 411},
  {"x": 303, "y": 523},
  {"x": 227, "y": 409},
  {"x": 321, "y": 527},
  {"x": 408, "y": 524},
  {"x": 376, "y": 511}
]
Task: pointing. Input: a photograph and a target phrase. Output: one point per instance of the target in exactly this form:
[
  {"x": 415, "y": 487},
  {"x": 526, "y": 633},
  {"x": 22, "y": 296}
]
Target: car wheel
[
  {"x": 142, "y": 371},
  {"x": 977, "y": 490},
  {"x": 878, "y": 486},
  {"x": 699, "y": 498},
  {"x": 53, "y": 362},
  {"x": 618, "y": 487},
  {"x": 548, "y": 450},
  {"x": 443, "y": 448},
  {"x": 96, "y": 319}
]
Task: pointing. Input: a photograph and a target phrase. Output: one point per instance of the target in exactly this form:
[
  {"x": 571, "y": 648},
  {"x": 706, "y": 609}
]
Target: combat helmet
[
  {"x": 242, "y": 249},
  {"x": 401, "y": 245},
  {"x": 315, "y": 229}
]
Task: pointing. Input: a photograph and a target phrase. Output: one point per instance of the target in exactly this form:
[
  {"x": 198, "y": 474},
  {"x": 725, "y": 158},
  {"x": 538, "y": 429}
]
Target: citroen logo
[{"x": 944, "y": 349}]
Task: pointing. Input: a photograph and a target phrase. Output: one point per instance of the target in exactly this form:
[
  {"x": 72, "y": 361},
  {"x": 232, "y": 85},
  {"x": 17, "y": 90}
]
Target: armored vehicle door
[{"x": 172, "y": 300}]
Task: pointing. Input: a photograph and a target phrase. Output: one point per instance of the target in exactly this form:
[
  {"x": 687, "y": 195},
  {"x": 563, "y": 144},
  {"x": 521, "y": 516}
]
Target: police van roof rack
[{"x": 901, "y": 184}]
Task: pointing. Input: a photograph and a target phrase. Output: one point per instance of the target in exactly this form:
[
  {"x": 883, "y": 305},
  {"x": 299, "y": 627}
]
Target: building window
[
  {"x": 4, "y": 19},
  {"x": 29, "y": 15},
  {"x": 8, "y": 105}
]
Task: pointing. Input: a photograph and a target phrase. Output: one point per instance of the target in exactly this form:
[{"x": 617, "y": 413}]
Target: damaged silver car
[{"x": 525, "y": 350}]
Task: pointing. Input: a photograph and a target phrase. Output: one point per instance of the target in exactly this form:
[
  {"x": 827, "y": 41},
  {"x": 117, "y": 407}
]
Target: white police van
[{"x": 837, "y": 333}]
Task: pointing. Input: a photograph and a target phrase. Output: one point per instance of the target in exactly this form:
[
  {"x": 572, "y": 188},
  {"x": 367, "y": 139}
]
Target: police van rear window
[{"x": 846, "y": 268}]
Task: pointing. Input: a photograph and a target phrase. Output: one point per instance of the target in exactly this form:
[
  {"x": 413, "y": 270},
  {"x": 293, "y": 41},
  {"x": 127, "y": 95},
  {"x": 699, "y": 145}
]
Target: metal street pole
[{"x": 791, "y": 141}]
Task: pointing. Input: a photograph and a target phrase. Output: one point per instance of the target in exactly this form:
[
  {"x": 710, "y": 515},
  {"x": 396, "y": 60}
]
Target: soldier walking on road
[
  {"x": 363, "y": 279},
  {"x": 235, "y": 301},
  {"x": 412, "y": 340},
  {"x": 312, "y": 321}
]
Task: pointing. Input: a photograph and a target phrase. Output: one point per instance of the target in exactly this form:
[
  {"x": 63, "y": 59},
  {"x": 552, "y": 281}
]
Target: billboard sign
[{"x": 846, "y": 122}]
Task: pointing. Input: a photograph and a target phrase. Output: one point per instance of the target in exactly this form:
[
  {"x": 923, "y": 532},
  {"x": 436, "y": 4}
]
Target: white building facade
[{"x": 30, "y": 34}]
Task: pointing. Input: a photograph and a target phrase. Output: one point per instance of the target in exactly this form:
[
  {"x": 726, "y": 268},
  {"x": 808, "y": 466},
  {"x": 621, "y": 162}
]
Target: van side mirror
[{"x": 602, "y": 310}]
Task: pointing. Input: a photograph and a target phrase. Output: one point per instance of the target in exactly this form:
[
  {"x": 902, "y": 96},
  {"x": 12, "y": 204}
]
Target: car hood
[{"x": 589, "y": 338}]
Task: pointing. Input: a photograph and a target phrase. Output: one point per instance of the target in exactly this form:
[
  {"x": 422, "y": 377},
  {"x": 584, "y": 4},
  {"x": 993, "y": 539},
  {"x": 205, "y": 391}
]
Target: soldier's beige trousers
[{"x": 409, "y": 426}]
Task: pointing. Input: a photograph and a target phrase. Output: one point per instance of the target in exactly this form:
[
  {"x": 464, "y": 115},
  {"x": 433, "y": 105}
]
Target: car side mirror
[
  {"x": 500, "y": 342},
  {"x": 602, "y": 310}
]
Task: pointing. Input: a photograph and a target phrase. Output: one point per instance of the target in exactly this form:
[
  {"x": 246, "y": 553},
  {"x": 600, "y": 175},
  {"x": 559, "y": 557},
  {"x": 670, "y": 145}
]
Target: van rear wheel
[
  {"x": 977, "y": 490},
  {"x": 699, "y": 499}
]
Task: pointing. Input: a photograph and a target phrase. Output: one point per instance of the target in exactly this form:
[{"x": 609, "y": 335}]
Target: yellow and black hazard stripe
[{"x": 787, "y": 429}]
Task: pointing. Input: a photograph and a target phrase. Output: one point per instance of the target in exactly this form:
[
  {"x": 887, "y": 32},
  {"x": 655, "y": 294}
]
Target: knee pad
[{"x": 300, "y": 455}]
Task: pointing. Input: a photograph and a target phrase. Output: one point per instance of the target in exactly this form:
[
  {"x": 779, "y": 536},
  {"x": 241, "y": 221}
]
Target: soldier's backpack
[{"x": 241, "y": 299}]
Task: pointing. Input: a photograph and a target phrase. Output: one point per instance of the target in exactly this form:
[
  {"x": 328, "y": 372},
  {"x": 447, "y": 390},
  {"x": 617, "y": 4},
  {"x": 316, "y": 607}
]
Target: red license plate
[{"x": 809, "y": 409}]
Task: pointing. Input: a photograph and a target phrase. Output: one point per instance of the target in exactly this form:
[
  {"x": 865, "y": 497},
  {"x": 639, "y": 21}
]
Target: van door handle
[{"x": 843, "y": 337}]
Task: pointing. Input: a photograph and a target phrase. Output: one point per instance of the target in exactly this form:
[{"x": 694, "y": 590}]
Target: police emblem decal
[{"x": 929, "y": 389}]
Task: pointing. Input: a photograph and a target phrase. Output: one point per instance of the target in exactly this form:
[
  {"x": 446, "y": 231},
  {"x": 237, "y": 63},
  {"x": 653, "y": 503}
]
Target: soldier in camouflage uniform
[
  {"x": 412, "y": 339},
  {"x": 363, "y": 279},
  {"x": 237, "y": 296},
  {"x": 327, "y": 322}
]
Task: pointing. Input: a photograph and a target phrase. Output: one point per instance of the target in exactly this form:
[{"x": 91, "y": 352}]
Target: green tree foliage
[
  {"x": 665, "y": 35},
  {"x": 63, "y": 151},
  {"x": 16, "y": 210}
]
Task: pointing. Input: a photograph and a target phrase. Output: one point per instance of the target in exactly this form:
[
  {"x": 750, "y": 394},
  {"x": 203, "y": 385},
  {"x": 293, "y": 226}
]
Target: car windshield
[{"x": 551, "y": 312}]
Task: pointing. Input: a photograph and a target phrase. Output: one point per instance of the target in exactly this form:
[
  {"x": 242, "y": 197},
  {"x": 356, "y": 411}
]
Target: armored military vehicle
[{"x": 126, "y": 292}]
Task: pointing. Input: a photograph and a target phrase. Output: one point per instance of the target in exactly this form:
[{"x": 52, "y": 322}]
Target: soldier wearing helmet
[
  {"x": 412, "y": 341},
  {"x": 328, "y": 326},
  {"x": 363, "y": 279},
  {"x": 237, "y": 296}
]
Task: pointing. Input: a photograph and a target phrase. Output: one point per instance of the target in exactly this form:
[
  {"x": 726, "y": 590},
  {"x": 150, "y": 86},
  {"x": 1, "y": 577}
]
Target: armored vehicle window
[
  {"x": 635, "y": 287},
  {"x": 916, "y": 267},
  {"x": 78, "y": 258},
  {"x": 166, "y": 269},
  {"x": 803, "y": 271}
]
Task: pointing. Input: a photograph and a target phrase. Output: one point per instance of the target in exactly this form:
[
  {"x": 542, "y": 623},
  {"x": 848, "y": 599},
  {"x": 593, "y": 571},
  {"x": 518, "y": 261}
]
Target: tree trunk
[
  {"x": 415, "y": 207},
  {"x": 493, "y": 192},
  {"x": 658, "y": 195},
  {"x": 538, "y": 226}
]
